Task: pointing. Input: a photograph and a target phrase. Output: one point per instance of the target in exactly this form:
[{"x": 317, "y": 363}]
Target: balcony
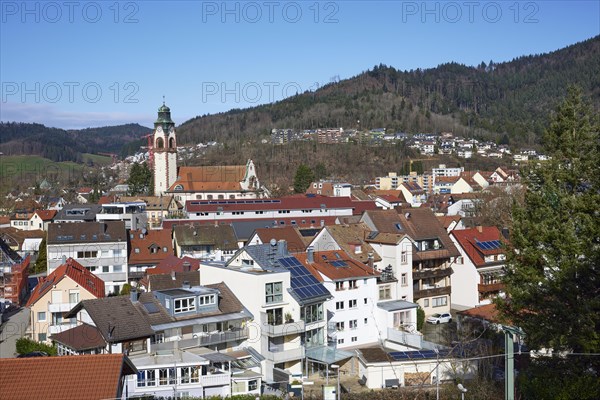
[
  {"x": 439, "y": 291},
  {"x": 279, "y": 354},
  {"x": 405, "y": 338},
  {"x": 216, "y": 379},
  {"x": 53, "y": 329},
  {"x": 60, "y": 307},
  {"x": 203, "y": 340},
  {"x": 489, "y": 288},
  {"x": 426, "y": 273},
  {"x": 283, "y": 329}
]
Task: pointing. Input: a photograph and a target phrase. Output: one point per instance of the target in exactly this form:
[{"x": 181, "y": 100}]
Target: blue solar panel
[
  {"x": 339, "y": 264},
  {"x": 304, "y": 284},
  {"x": 489, "y": 245},
  {"x": 417, "y": 355}
]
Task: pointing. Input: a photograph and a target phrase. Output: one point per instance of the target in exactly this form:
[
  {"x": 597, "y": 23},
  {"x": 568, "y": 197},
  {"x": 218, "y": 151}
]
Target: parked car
[
  {"x": 440, "y": 318},
  {"x": 34, "y": 354}
]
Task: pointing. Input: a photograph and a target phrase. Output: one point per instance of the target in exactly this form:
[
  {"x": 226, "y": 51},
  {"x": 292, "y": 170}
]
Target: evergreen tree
[
  {"x": 553, "y": 271},
  {"x": 304, "y": 176},
  {"x": 40, "y": 262},
  {"x": 140, "y": 179}
]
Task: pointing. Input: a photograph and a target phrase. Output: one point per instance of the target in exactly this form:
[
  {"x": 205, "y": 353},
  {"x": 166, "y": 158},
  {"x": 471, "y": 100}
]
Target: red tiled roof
[
  {"x": 488, "y": 312},
  {"x": 84, "y": 377},
  {"x": 172, "y": 263},
  {"x": 81, "y": 338},
  {"x": 446, "y": 220},
  {"x": 210, "y": 178},
  {"x": 447, "y": 179},
  {"x": 153, "y": 239},
  {"x": 84, "y": 190},
  {"x": 467, "y": 239},
  {"x": 76, "y": 272},
  {"x": 322, "y": 264},
  {"x": 46, "y": 215}
]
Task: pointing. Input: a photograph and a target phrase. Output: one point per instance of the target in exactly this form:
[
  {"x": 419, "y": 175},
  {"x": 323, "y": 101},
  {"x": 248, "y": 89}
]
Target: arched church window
[
  {"x": 160, "y": 143},
  {"x": 172, "y": 143}
]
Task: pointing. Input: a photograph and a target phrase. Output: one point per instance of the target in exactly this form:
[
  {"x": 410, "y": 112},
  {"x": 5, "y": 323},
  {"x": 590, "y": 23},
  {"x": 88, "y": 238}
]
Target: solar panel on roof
[
  {"x": 304, "y": 284},
  {"x": 151, "y": 308},
  {"x": 339, "y": 263}
]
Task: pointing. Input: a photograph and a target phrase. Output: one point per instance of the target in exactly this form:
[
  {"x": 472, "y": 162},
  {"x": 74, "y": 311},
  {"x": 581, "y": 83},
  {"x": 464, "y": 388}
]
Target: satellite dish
[{"x": 273, "y": 242}]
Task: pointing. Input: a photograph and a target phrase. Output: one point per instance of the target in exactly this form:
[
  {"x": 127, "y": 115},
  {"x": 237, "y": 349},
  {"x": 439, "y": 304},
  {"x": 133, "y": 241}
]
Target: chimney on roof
[
  {"x": 282, "y": 248},
  {"x": 479, "y": 228},
  {"x": 133, "y": 295},
  {"x": 173, "y": 274},
  {"x": 310, "y": 254},
  {"x": 505, "y": 233},
  {"x": 371, "y": 260},
  {"x": 186, "y": 285},
  {"x": 187, "y": 267}
]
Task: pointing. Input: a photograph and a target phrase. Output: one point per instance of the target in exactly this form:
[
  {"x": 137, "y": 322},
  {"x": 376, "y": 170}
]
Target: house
[
  {"x": 20, "y": 219},
  {"x": 147, "y": 249},
  {"x": 56, "y": 294},
  {"x": 132, "y": 213},
  {"x": 413, "y": 193},
  {"x": 388, "y": 202},
  {"x": 14, "y": 271},
  {"x": 207, "y": 242},
  {"x": 451, "y": 222},
  {"x": 432, "y": 255},
  {"x": 101, "y": 247},
  {"x": 21, "y": 241},
  {"x": 41, "y": 219},
  {"x": 83, "y": 194},
  {"x": 477, "y": 276},
  {"x": 157, "y": 208},
  {"x": 89, "y": 377},
  {"x": 296, "y": 242},
  {"x": 452, "y": 185},
  {"x": 329, "y": 188},
  {"x": 172, "y": 280},
  {"x": 287, "y": 303},
  {"x": 464, "y": 204}
]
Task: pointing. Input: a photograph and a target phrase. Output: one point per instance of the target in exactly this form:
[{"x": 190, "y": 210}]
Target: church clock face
[
  {"x": 171, "y": 130},
  {"x": 159, "y": 130}
]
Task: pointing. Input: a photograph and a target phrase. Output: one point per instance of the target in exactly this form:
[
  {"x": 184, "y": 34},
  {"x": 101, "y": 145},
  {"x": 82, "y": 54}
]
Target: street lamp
[
  {"x": 337, "y": 391},
  {"x": 463, "y": 390}
]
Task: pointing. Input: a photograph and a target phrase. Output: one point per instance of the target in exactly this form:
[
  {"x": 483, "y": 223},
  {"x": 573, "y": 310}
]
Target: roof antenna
[{"x": 163, "y": 99}]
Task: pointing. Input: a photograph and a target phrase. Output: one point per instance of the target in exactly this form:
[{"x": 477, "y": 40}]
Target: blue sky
[{"x": 81, "y": 64}]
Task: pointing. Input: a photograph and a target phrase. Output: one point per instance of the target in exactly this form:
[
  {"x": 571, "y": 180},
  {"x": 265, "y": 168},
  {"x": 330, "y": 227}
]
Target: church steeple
[{"x": 165, "y": 151}]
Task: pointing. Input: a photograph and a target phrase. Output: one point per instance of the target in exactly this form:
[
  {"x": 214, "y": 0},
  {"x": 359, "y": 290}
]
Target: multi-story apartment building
[
  {"x": 286, "y": 300},
  {"x": 101, "y": 247},
  {"x": 133, "y": 214}
]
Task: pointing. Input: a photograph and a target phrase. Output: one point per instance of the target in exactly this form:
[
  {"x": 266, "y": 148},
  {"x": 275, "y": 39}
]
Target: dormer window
[
  {"x": 185, "y": 305},
  {"x": 178, "y": 187}
]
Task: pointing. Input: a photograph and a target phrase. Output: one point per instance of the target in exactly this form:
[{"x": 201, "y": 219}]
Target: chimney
[
  {"x": 282, "y": 248},
  {"x": 173, "y": 274},
  {"x": 370, "y": 261},
  {"x": 310, "y": 254},
  {"x": 133, "y": 295},
  {"x": 479, "y": 228},
  {"x": 506, "y": 233},
  {"x": 186, "y": 285}
]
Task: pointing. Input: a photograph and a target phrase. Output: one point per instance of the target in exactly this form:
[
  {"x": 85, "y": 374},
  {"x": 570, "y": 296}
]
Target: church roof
[{"x": 210, "y": 178}]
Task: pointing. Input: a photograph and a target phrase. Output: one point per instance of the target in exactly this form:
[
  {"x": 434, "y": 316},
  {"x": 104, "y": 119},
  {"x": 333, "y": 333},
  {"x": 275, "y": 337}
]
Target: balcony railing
[
  {"x": 405, "y": 338},
  {"x": 215, "y": 379},
  {"x": 53, "y": 329},
  {"x": 492, "y": 287},
  {"x": 203, "y": 339},
  {"x": 282, "y": 329},
  {"x": 432, "y": 273},
  {"x": 60, "y": 307},
  {"x": 440, "y": 291},
  {"x": 279, "y": 354}
]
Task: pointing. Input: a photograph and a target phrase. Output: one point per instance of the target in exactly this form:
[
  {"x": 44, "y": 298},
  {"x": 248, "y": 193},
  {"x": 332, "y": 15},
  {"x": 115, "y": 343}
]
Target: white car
[{"x": 440, "y": 318}]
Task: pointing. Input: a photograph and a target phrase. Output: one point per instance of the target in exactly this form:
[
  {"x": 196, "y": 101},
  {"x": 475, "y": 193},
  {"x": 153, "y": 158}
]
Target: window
[
  {"x": 340, "y": 341},
  {"x": 426, "y": 302},
  {"x": 87, "y": 254},
  {"x": 312, "y": 313},
  {"x": 339, "y": 305},
  {"x": 73, "y": 296},
  {"x": 401, "y": 318},
  {"x": 56, "y": 297},
  {"x": 352, "y": 284},
  {"x": 366, "y": 321},
  {"x": 339, "y": 286},
  {"x": 275, "y": 316},
  {"x": 352, "y": 303},
  {"x": 105, "y": 268},
  {"x": 403, "y": 279},
  {"x": 57, "y": 318},
  {"x": 314, "y": 337},
  {"x": 41, "y": 316},
  {"x": 274, "y": 292},
  {"x": 439, "y": 301},
  {"x": 459, "y": 260},
  {"x": 185, "y": 305},
  {"x": 253, "y": 384},
  {"x": 150, "y": 377},
  {"x": 117, "y": 253},
  {"x": 354, "y": 338},
  {"x": 205, "y": 300},
  {"x": 118, "y": 268},
  {"x": 366, "y": 300},
  {"x": 339, "y": 326},
  {"x": 41, "y": 337},
  {"x": 137, "y": 251},
  {"x": 353, "y": 324},
  {"x": 385, "y": 292},
  {"x": 403, "y": 257}
]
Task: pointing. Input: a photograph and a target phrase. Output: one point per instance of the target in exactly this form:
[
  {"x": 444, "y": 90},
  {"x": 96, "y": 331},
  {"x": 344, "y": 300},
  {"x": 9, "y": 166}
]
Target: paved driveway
[{"x": 13, "y": 328}]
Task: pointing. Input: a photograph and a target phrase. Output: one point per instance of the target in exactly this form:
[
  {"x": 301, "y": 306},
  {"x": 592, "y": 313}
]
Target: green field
[
  {"x": 18, "y": 170},
  {"x": 96, "y": 159}
]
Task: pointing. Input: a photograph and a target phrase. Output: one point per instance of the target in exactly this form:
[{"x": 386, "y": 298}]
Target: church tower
[{"x": 165, "y": 151}]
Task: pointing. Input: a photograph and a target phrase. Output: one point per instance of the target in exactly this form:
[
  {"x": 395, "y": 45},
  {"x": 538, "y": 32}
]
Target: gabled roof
[
  {"x": 336, "y": 265},
  {"x": 84, "y": 377},
  {"x": 152, "y": 202},
  {"x": 469, "y": 240},
  {"x": 81, "y": 338},
  {"x": 290, "y": 234},
  {"x": 7, "y": 255},
  {"x": 148, "y": 247},
  {"x": 86, "y": 232},
  {"x": 16, "y": 237},
  {"x": 46, "y": 215},
  {"x": 351, "y": 235},
  {"x": 385, "y": 221},
  {"x": 447, "y": 179},
  {"x": 413, "y": 187},
  {"x": 487, "y": 312},
  {"x": 173, "y": 263},
  {"x": 72, "y": 269},
  {"x": 210, "y": 178},
  {"x": 447, "y": 220},
  {"x": 220, "y": 236},
  {"x": 172, "y": 280},
  {"x": 116, "y": 318}
]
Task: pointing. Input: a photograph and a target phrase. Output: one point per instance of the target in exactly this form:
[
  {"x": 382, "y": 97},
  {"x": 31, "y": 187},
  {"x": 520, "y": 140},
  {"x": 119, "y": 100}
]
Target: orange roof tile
[
  {"x": 76, "y": 272},
  {"x": 288, "y": 233},
  {"x": 46, "y": 215},
  {"x": 81, "y": 377},
  {"x": 467, "y": 239},
  {"x": 322, "y": 263},
  {"x": 141, "y": 248},
  {"x": 210, "y": 178}
]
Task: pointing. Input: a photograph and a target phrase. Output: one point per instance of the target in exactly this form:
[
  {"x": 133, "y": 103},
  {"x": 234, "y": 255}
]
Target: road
[{"x": 12, "y": 329}]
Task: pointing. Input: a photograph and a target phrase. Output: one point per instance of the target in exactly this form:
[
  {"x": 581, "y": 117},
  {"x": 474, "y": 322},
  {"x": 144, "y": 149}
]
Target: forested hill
[
  {"x": 60, "y": 145},
  {"x": 513, "y": 97}
]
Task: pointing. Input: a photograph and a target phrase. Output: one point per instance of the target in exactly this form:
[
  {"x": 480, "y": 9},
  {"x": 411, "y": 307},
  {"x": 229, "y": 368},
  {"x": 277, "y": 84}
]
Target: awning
[
  {"x": 396, "y": 305},
  {"x": 327, "y": 355}
]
